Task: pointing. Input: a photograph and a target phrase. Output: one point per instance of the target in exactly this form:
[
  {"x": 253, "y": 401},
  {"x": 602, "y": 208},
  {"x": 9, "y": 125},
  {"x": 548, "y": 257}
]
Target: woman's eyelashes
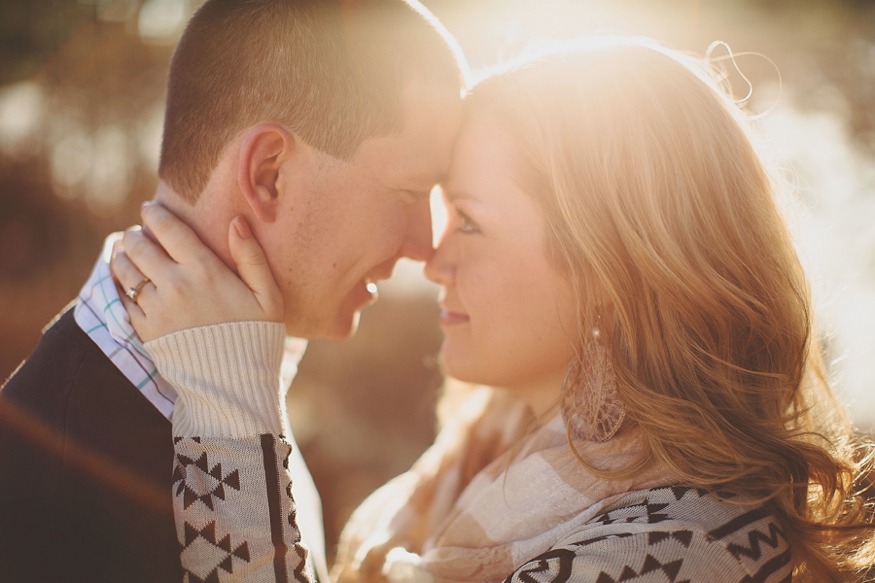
[{"x": 466, "y": 225}]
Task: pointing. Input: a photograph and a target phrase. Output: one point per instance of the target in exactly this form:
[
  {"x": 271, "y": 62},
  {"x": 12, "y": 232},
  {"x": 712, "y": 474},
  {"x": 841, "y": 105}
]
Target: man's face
[{"x": 350, "y": 222}]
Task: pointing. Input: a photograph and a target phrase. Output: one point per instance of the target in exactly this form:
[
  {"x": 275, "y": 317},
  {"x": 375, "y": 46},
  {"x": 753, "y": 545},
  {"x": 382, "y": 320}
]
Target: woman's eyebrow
[{"x": 452, "y": 195}]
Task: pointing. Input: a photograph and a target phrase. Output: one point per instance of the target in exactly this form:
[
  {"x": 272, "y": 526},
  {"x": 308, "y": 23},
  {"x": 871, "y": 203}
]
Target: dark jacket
[{"x": 85, "y": 470}]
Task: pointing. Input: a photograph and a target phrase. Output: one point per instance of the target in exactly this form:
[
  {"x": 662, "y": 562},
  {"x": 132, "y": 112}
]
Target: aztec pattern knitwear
[
  {"x": 534, "y": 511},
  {"x": 522, "y": 514},
  {"x": 257, "y": 539},
  {"x": 521, "y": 504},
  {"x": 674, "y": 534},
  {"x": 235, "y": 513}
]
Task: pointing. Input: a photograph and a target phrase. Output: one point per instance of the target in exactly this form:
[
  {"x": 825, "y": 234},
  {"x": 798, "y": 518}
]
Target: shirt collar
[{"x": 101, "y": 314}]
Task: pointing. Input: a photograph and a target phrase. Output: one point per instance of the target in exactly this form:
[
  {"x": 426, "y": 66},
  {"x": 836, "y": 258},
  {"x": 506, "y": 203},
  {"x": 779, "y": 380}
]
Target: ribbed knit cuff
[{"x": 227, "y": 376}]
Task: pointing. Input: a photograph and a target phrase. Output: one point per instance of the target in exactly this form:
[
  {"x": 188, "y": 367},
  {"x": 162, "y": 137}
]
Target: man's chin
[
  {"x": 346, "y": 329},
  {"x": 337, "y": 326},
  {"x": 342, "y": 328},
  {"x": 345, "y": 322}
]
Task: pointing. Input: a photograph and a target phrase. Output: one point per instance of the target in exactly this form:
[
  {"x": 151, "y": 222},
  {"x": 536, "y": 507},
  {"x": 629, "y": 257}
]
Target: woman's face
[{"x": 508, "y": 316}]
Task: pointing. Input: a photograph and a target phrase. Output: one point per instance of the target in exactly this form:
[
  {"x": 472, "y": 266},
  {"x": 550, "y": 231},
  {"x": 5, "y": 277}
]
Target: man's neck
[{"x": 208, "y": 217}]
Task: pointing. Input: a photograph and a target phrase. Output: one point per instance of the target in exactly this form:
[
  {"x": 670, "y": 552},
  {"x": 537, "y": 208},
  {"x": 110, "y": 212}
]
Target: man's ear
[{"x": 265, "y": 148}]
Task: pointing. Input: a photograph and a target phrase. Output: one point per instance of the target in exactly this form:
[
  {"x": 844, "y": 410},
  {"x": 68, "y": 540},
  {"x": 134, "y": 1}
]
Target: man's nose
[
  {"x": 441, "y": 267},
  {"x": 418, "y": 238},
  {"x": 438, "y": 269}
]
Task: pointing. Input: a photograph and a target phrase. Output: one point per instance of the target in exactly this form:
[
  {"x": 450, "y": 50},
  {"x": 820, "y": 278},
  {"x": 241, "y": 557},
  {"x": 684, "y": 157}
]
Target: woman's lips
[{"x": 449, "y": 318}]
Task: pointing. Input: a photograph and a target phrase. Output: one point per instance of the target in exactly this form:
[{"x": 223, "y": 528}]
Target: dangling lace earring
[{"x": 591, "y": 405}]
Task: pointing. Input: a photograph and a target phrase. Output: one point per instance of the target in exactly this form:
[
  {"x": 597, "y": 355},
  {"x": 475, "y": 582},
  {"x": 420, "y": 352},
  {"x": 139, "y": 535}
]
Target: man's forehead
[
  {"x": 415, "y": 168},
  {"x": 432, "y": 116},
  {"x": 419, "y": 155}
]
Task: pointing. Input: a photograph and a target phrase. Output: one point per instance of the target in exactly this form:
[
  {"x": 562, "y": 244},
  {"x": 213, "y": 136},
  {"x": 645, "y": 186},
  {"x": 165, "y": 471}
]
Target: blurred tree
[{"x": 31, "y": 31}]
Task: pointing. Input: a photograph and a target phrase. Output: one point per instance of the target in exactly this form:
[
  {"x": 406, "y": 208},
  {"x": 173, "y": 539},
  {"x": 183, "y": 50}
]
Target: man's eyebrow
[
  {"x": 431, "y": 177},
  {"x": 422, "y": 184}
]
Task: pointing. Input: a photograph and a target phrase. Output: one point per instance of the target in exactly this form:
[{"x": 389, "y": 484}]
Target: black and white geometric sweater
[
  {"x": 236, "y": 519},
  {"x": 672, "y": 534},
  {"x": 237, "y": 522}
]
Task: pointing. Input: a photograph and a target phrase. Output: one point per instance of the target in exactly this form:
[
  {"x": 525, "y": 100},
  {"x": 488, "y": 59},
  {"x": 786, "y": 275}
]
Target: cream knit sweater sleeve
[
  {"x": 227, "y": 376},
  {"x": 236, "y": 519}
]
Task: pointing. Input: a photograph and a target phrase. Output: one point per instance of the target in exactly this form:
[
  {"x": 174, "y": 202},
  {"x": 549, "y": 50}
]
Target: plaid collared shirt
[{"x": 101, "y": 314}]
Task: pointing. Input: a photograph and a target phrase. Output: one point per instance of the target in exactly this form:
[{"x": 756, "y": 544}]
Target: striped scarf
[{"x": 487, "y": 497}]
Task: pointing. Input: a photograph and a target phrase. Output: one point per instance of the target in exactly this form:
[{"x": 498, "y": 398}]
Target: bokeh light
[{"x": 21, "y": 111}]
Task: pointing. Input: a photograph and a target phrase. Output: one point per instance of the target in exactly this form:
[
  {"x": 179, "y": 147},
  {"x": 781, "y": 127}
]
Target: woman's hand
[{"x": 187, "y": 284}]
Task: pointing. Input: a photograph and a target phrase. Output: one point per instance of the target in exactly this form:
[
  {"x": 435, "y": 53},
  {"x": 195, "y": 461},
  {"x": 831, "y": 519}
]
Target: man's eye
[{"x": 413, "y": 196}]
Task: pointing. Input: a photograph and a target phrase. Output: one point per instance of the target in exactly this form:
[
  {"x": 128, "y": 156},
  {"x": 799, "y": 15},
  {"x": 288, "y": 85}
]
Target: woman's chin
[{"x": 460, "y": 366}]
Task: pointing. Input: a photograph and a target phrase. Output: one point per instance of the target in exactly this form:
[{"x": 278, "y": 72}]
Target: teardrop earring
[{"x": 591, "y": 405}]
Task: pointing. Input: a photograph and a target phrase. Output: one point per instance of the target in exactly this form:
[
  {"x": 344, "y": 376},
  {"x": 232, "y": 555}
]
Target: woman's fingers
[
  {"x": 126, "y": 276},
  {"x": 135, "y": 312},
  {"x": 253, "y": 268},
  {"x": 124, "y": 270},
  {"x": 147, "y": 255},
  {"x": 129, "y": 277},
  {"x": 179, "y": 241}
]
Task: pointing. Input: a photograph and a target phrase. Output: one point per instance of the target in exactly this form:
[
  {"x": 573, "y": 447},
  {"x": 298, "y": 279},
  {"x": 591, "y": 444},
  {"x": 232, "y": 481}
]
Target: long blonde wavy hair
[{"x": 662, "y": 213}]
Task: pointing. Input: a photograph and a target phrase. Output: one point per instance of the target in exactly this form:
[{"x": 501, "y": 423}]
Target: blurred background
[{"x": 81, "y": 106}]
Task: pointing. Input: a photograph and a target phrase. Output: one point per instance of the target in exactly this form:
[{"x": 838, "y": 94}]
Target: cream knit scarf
[{"x": 480, "y": 502}]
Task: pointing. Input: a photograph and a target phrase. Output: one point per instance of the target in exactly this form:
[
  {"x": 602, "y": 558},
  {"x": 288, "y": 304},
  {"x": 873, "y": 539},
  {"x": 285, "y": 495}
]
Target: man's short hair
[{"x": 332, "y": 71}]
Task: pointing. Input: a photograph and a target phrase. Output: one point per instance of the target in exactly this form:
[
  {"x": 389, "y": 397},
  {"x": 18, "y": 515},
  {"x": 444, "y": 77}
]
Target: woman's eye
[{"x": 466, "y": 226}]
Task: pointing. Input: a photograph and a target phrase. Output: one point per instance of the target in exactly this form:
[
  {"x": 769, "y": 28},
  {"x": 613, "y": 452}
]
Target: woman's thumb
[{"x": 253, "y": 268}]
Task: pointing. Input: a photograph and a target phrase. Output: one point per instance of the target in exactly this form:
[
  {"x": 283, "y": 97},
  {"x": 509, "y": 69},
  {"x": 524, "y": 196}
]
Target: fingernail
[
  {"x": 242, "y": 228},
  {"x": 145, "y": 205}
]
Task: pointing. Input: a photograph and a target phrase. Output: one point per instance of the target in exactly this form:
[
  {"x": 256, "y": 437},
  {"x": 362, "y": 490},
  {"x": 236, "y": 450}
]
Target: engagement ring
[{"x": 134, "y": 292}]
